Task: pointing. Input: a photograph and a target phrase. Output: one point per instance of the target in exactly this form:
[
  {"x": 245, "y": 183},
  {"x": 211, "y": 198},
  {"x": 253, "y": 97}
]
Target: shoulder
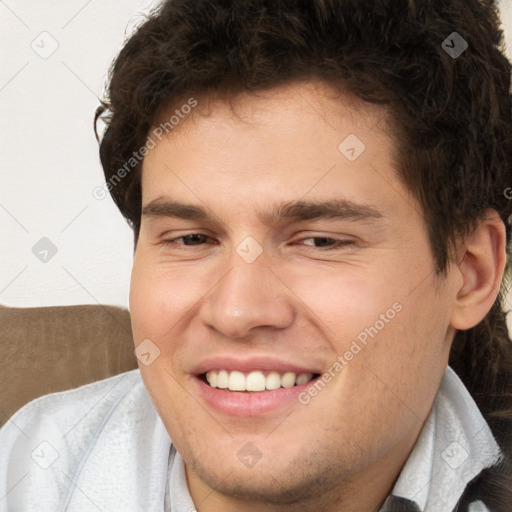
[
  {"x": 49, "y": 439},
  {"x": 86, "y": 405}
]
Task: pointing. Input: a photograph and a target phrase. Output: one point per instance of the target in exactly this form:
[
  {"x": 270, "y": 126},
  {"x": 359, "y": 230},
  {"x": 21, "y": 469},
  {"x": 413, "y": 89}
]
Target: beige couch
[{"x": 50, "y": 349}]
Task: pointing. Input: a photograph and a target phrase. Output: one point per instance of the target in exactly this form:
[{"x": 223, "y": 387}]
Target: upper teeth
[{"x": 255, "y": 381}]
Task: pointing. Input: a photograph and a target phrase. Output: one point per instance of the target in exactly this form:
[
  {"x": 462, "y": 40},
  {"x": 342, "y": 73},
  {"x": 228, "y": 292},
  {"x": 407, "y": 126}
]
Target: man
[{"x": 318, "y": 196}]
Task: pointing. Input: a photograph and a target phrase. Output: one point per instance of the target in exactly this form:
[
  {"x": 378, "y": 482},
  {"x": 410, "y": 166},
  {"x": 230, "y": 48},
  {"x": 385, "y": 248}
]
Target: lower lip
[{"x": 239, "y": 403}]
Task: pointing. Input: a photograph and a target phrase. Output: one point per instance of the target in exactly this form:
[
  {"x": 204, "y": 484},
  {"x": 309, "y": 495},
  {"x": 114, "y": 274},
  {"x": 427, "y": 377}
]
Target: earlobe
[{"x": 481, "y": 268}]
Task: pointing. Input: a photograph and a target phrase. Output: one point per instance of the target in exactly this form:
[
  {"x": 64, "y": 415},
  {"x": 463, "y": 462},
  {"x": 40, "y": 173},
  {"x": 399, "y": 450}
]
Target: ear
[{"x": 481, "y": 264}]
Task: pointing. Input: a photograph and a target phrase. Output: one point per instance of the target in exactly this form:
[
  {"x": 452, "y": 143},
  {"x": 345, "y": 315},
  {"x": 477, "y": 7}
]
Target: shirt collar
[
  {"x": 454, "y": 446},
  {"x": 177, "y": 495}
]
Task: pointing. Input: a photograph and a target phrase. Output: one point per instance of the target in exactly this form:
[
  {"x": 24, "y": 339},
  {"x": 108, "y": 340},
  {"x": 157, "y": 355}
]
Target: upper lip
[{"x": 246, "y": 365}]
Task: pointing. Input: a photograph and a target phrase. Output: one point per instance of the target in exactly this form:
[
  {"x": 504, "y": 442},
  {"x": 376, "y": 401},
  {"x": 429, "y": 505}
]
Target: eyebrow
[{"x": 336, "y": 209}]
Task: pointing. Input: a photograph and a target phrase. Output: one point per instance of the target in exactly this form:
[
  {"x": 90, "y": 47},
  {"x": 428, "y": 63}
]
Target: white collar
[{"x": 454, "y": 446}]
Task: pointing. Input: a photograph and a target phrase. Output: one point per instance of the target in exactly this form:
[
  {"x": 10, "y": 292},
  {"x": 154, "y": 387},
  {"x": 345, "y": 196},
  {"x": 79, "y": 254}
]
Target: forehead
[
  {"x": 290, "y": 101},
  {"x": 298, "y": 141}
]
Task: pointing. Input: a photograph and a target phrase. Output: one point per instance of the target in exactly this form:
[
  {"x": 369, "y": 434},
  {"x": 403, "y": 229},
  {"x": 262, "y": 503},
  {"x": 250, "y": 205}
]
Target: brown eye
[
  {"x": 192, "y": 239},
  {"x": 326, "y": 243}
]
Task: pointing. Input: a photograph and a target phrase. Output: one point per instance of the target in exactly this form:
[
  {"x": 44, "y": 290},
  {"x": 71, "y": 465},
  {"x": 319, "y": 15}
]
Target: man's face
[{"x": 262, "y": 287}]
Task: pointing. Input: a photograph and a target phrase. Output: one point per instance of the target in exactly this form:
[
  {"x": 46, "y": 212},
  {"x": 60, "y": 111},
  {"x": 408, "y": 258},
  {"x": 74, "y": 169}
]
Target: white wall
[{"x": 49, "y": 161}]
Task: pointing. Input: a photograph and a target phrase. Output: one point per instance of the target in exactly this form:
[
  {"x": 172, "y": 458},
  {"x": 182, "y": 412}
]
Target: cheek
[
  {"x": 141, "y": 301},
  {"x": 407, "y": 357},
  {"x": 160, "y": 297},
  {"x": 381, "y": 321},
  {"x": 342, "y": 300}
]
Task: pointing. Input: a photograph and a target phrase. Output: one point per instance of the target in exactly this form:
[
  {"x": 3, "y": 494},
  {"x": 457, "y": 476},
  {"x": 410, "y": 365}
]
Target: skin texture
[{"x": 297, "y": 302}]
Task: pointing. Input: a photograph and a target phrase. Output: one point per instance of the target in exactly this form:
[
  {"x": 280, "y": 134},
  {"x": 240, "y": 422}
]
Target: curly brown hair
[{"x": 451, "y": 117}]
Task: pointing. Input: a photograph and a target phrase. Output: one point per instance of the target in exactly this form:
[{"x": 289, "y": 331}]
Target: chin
[{"x": 270, "y": 482}]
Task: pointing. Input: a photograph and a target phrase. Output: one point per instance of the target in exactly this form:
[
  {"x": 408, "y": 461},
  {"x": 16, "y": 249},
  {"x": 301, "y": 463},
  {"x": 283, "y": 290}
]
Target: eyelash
[{"x": 338, "y": 243}]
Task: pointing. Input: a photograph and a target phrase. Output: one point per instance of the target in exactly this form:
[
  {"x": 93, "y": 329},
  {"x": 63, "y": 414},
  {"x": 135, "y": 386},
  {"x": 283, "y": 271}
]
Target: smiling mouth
[{"x": 255, "y": 381}]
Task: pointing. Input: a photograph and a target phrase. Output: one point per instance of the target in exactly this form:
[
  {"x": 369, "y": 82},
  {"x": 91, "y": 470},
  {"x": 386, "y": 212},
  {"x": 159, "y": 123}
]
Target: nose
[{"x": 248, "y": 296}]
